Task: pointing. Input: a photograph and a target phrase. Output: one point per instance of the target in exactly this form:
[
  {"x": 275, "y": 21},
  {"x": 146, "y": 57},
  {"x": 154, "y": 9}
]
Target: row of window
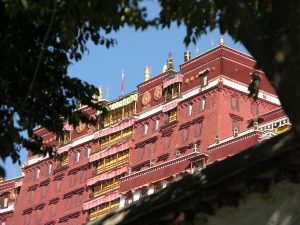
[
  {"x": 79, "y": 177},
  {"x": 116, "y": 137},
  {"x": 147, "y": 152},
  {"x": 105, "y": 186},
  {"x": 112, "y": 161},
  {"x": 38, "y": 215},
  {"x": 103, "y": 209},
  {"x": 235, "y": 106},
  {"x": 171, "y": 115},
  {"x": 62, "y": 161}
]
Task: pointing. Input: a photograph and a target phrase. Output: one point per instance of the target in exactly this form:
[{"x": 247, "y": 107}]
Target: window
[
  {"x": 171, "y": 115},
  {"x": 189, "y": 110},
  {"x": 27, "y": 219},
  {"x": 128, "y": 201},
  {"x": 204, "y": 79},
  {"x": 217, "y": 139},
  {"x": 58, "y": 186},
  {"x": 68, "y": 203},
  {"x": 43, "y": 192},
  {"x": 202, "y": 104},
  {"x": 48, "y": 169},
  {"x": 37, "y": 173},
  {"x": 141, "y": 153},
  {"x": 185, "y": 134},
  {"x": 145, "y": 129},
  {"x": 83, "y": 176},
  {"x": 53, "y": 210},
  {"x": 77, "y": 157},
  {"x": 235, "y": 127},
  {"x": 65, "y": 138},
  {"x": 156, "y": 125},
  {"x": 88, "y": 152},
  {"x": 254, "y": 109},
  {"x": 195, "y": 147},
  {"x": 31, "y": 196},
  {"x": 38, "y": 216},
  {"x": 198, "y": 129},
  {"x": 78, "y": 200},
  {"x": 4, "y": 201},
  {"x": 71, "y": 180},
  {"x": 172, "y": 91},
  {"x": 235, "y": 103},
  {"x": 167, "y": 142},
  {"x": 177, "y": 153}
]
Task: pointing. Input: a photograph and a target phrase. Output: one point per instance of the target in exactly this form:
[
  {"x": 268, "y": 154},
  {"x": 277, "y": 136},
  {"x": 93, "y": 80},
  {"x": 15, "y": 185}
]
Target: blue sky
[{"x": 134, "y": 51}]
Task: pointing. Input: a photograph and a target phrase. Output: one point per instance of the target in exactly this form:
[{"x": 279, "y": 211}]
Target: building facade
[{"x": 176, "y": 123}]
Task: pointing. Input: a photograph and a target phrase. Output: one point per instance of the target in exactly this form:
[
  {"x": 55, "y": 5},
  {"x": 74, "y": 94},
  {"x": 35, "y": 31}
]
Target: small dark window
[
  {"x": 83, "y": 176},
  {"x": 31, "y": 196},
  {"x": 43, "y": 192},
  {"x": 235, "y": 103},
  {"x": 204, "y": 79},
  {"x": 58, "y": 186},
  {"x": 155, "y": 125},
  {"x": 71, "y": 180},
  {"x": 141, "y": 153},
  {"x": 145, "y": 129},
  {"x": 4, "y": 201},
  {"x": 198, "y": 129},
  {"x": 202, "y": 104},
  {"x": 189, "y": 110},
  {"x": 53, "y": 210},
  {"x": 88, "y": 152},
  {"x": 167, "y": 142},
  {"x": 185, "y": 134},
  {"x": 235, "y": 126}
]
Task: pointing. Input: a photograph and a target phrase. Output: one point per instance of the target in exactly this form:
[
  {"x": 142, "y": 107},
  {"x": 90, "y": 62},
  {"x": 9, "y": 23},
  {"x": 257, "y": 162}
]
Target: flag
[{"x": 122, "y": 84}]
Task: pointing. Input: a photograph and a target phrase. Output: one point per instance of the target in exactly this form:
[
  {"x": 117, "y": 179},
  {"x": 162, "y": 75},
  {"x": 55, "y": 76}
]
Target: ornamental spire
[{"x": 221, "y": 40}]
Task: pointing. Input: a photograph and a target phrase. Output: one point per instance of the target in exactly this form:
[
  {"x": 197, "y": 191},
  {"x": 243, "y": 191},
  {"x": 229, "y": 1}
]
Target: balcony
[
  {"x": 108, "y": 167},
  {"x": 105, "y": 190},
  {"x": 117, "y": 164},
  {"x": 112, "y": 142},
  {"x": 102, "y": 212}
]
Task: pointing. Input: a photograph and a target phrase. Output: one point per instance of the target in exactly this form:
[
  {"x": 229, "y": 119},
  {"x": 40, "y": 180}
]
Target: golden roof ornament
[
  {"x": 165, "y": 68},
  {"x": 147, "y": 73},
  {"x": 221, "y": 40},
  {"x": 100, "y": 93},
  {"x": 170, "y": 65}
]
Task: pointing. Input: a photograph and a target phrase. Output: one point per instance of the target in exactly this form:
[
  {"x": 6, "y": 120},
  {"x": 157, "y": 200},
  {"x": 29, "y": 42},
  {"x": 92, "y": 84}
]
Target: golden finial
[
  {"x": 165, "y": 68},
  {"x": 221, "y": 40},
  {"x": 147, "y": 72},
  {"x": 100, "y": 93}
]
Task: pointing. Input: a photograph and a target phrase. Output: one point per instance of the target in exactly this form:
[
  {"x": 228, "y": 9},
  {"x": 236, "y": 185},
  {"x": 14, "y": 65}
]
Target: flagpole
[{"x": 122, "y": 84}]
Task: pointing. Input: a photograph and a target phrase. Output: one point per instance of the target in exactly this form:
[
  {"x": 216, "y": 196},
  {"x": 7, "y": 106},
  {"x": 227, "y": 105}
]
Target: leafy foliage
[{"x": 38, "y": 40}]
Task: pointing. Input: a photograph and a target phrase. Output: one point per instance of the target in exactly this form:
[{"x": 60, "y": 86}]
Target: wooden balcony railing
[
  {"x": 102, "y": 212},
  {"x": 112, "y": 142},
  {"x": 116, "y": 164},
  {"x": 106, "y": 190},
  {"x": 105, "y": 168}
]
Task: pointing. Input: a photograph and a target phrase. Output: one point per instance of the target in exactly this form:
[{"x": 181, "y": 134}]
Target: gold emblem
[
  {"x": 146, "y": 98},
  {"x": 157, "y": 93},
  {"x": 80, "y": 127}
]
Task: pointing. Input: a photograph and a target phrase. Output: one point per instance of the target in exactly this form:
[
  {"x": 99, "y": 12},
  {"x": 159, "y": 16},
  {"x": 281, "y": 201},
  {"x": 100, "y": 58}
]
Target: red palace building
[{"x": 176, "y": 123}]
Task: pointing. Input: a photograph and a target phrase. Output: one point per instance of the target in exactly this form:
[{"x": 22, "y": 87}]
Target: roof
[{"x": 221, "y": 184}]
